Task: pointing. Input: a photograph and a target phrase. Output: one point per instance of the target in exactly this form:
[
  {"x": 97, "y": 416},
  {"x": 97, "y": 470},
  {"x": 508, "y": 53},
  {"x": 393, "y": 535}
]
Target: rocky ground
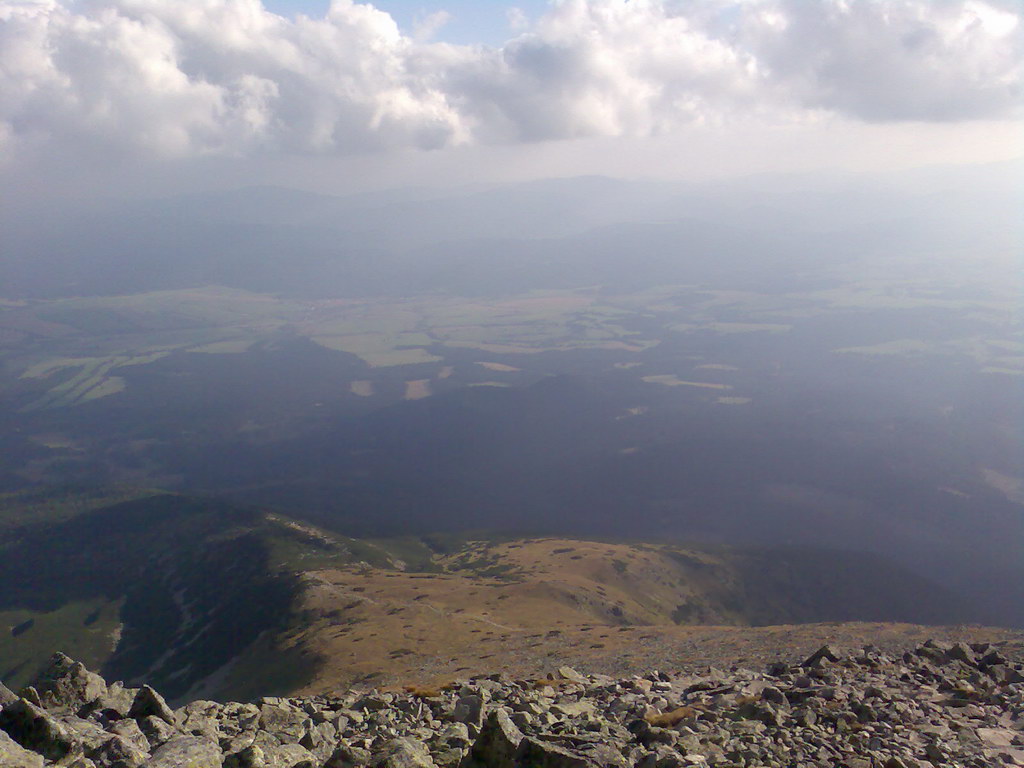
[{"x": 936, "y": 704}]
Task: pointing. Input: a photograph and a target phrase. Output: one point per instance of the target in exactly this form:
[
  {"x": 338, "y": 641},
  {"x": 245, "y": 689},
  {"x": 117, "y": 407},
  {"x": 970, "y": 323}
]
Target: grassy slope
[
  {"x": 147, "y": 573},
  {"x": 156, "y": 570},
  {"x": 517, "y": 604}
]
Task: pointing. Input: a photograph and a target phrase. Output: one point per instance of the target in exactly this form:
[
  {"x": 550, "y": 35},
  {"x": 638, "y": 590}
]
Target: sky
[
  {"x": 465, "y": 21},
  {"x": 126, "y": 97}
]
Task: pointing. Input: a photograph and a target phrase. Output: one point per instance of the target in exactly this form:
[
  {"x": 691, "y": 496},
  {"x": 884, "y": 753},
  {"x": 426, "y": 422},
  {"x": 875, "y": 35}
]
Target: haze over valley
[{"x": 492, "y": 358}]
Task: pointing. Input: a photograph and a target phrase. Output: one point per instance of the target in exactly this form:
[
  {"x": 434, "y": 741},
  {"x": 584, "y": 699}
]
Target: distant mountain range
[{"x": 754, "y": 232}]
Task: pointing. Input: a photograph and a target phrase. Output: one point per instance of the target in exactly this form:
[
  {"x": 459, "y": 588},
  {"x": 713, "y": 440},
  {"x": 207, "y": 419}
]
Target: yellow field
[
  {"x": 417, "y": 389},
  {"x": 362, "y": 388},
  {"x": 671, "y": 380}
]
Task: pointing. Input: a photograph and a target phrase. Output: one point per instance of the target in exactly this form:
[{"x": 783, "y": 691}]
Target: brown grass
[
  {"x": 556, "y": 682},
  {"x": 426, "y": 691},
  {"x": 669, "y": 719},
  {"x": 534, "y": 621}
]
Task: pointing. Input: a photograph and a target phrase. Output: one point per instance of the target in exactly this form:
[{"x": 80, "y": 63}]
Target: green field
[
  {"x": 89, "y": 628},
  {"x": 69, "y": 352}
]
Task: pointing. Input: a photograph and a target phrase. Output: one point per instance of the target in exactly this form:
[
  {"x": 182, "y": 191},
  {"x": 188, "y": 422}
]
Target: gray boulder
[
  {"x": 497, "y": 744},
  {"x": 118, "y": 752},
  {"x": 30, "y": 694},
  {"x": 962, "y": 652},
  {"x": 86, "y": 733},
  {"x": 469, "y": 709},
  {"x": 67, "y": 684},
  {"x": 250, "y": 757},
  {"x": 199, "y": 718},
  {"x": 36, "y": 730},
  {"x": 568, "y": 673},
  {"x": 149, "y": 703},
  {"x": 403, "y": 753},
  {"x": 824, "y": 654},
  {"x": 272, "y": 756},
  {"x": 116, "y": 702},
  {"x": 287, "y": 723},
  {"x": 605, "y": 755},
  {"x": 186, "y": 752},
  {"x": 157, "y": 731},
  {"x": 291, "y": 756},
  {"x": 7, "y": 696},
  {"x": 13, "y": 755},
  {"x": 346, "y": 756},
  {"x": 130, "y": 730},
  {"x": 533, "y": 753}
]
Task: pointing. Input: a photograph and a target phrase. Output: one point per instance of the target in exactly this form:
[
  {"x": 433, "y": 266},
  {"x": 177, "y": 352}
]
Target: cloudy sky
[{"x": 346, "y": 94}]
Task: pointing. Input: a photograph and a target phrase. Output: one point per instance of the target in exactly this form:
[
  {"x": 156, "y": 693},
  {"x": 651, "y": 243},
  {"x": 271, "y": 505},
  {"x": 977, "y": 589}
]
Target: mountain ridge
[{"x": 197, "y": 594}]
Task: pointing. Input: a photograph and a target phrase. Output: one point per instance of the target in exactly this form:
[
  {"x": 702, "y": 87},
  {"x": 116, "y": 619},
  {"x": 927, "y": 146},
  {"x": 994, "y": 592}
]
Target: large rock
[
  {"x": 469, "y": 709},
  {"x": 114, "y": 704},
  {"x": 13, "y": 755},
  {"x": 199, "y": 718},
  {"x": 403, "y": 753},
  {"x": 118, "y": 752},
  {"x": 533, "y": 753},
  {"x": 272, "y": 756},
  {"x": 287, "y": 723},
  {"x": 291, "y": 756},
  {"x": 497, "y": 744},
  {"x": 149, "y": 703},
  {"x": 824, "y": 654},
  {"x": 130, "y": 730},
  {"x": 568, "y": 673},
  {"x": 156, "y": 731},
  {"x": 67, "y": 684},
  {"x": 186, "y": 752},
  {"x": 347, "y": 756},
  {"x": 605, "y": 755},
  {"x": 36, "y": 730},
  {"x": 85, "y": 732},
  {"x": 7, "y": 696},
  {"x": 249, "y": 757}
]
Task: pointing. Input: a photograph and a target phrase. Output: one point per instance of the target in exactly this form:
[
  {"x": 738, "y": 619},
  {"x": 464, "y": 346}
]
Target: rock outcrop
[{"x": 936, "y": 705}]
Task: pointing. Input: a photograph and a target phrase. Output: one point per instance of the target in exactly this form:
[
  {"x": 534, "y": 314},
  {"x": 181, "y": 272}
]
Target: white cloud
[
  {"x": 912, "y": 60},
  {"x": 427, "y": 26},
  {"x": 227, "y": 77}
]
